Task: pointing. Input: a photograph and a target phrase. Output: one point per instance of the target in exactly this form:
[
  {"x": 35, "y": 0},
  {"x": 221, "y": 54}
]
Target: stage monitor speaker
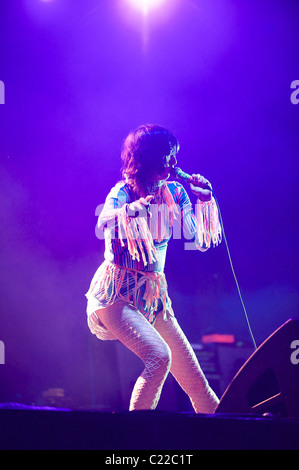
[{"x": 268, "y": 382}]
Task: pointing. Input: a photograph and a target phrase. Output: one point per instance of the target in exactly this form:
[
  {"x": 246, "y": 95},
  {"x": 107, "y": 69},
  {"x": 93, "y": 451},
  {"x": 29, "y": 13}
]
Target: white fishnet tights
[
  {"x": 185, "y": 367},
  {"x": 162, "y": 348}
]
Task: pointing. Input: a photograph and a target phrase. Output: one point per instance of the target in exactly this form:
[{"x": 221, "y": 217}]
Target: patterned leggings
[{"x": 162, "y": 348}]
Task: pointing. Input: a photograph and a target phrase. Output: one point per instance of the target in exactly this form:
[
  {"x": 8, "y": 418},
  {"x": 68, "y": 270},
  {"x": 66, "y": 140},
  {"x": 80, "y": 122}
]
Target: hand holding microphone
[{"x": 199, "y": 185}]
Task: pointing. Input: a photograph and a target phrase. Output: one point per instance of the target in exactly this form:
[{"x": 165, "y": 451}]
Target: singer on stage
[{"x": 128, "y": 298}]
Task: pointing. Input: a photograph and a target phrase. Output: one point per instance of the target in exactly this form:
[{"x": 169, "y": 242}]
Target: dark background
[{"x": 79, "y": 76}]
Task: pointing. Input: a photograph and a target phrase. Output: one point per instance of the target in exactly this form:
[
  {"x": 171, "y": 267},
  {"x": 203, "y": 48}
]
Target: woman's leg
[
  {"x": 130, "y": 327},
  {"x": 185, "y": 367}
]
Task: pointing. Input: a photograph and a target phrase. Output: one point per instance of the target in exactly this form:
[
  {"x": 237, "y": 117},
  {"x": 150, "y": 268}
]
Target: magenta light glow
[{"x": 146, "y": 5}]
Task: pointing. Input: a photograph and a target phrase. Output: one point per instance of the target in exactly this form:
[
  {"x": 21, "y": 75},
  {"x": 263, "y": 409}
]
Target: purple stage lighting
[{"x": 146, "y": 5}]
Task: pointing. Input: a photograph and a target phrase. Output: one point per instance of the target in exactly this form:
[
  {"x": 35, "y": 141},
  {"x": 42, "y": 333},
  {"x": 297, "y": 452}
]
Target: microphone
[{"x": 178, "y": 173}]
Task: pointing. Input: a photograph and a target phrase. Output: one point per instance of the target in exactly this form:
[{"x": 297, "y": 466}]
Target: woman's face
[{"x": 169, "y": 163}]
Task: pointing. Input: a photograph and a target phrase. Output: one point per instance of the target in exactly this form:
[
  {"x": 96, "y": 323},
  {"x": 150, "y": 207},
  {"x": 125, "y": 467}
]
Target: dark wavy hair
[{"x": 142, "y": 154}]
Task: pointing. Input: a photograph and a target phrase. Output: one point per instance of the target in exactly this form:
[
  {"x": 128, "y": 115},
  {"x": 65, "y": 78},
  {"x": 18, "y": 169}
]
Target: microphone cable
[
  {"x": 178, "y": 173},
  {"x": 233, "y": 271}
]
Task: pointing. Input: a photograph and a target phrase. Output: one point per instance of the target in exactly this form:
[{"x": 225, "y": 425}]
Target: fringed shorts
[{"x": 145, "y": 291}]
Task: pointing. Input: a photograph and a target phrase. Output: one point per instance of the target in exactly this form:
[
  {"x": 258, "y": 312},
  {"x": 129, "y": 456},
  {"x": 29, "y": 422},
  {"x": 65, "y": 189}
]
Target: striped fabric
[
  {"x": 116, "y": 200},
  {"x": 135, "y": 247}
]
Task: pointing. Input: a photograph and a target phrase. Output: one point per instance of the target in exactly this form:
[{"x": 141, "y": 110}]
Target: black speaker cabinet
[{"x": 268, "y": 382}]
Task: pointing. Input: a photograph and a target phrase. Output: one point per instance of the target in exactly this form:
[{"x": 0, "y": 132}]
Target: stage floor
[{"x": 39, "y": 428}]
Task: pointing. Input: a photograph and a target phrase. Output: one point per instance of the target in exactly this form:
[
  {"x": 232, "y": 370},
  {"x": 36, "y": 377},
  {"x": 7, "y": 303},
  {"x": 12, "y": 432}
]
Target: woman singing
[{"x": 128, "y": 298}]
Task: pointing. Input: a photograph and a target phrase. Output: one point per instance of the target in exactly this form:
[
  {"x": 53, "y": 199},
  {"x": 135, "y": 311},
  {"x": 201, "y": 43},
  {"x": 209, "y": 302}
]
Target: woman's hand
[
  {"x": 200, "y": 188},
  {"x": 139, "y": 207}
]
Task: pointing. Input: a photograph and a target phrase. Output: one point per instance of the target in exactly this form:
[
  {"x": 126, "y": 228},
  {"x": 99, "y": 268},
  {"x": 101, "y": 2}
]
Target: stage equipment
[{"x": 268, "y": 382}]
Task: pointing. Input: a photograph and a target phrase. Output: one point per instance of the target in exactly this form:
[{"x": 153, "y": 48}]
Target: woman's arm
[
  {"x": 201, "y": 226},
  {"x": 118, "y": 205},
  {"x": 199, "y": 189},
  {"x": 125, "y": 220},
  {"x": 115, "y": 203}
]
